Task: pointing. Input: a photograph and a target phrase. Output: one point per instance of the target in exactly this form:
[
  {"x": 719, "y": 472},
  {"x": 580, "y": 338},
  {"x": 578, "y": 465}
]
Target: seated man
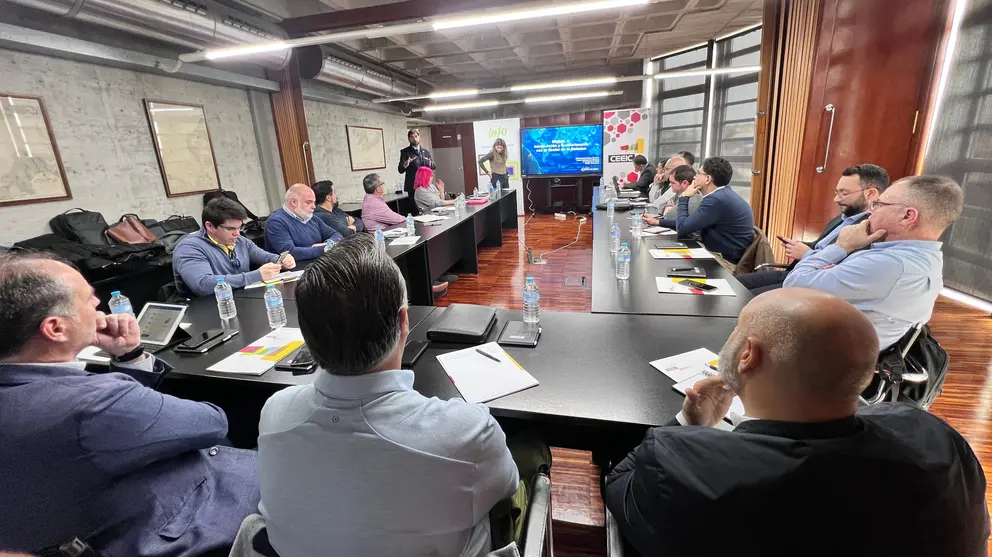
[
  {"x": 375, "y": 212},
  {"x": 104, "y": 457},
  {"x": 723, "y": 219},
  {"x": 659, "y": 198},
  {"x": 359, "y": 459},
  {"x": 890, "y": 265},
  {"x": 857, "y": 188},
  {"x": 645, "y": 175},
  {"x": 294, "y": 229},
  {"x": 327, "y": 210},
  {"x": 680, "y": 180},
  {"x": 804, "y": 472},
  {"x": 218, "y": 250}
]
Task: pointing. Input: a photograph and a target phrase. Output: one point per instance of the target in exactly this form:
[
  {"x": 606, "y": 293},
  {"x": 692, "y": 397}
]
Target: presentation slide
[{"x": 562, "y": 151}]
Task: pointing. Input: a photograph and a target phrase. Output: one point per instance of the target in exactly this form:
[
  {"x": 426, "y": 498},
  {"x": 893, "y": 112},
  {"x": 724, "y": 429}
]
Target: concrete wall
[
  {"x": 98, "y": 118},
  {"x": 326, "y": 123}
]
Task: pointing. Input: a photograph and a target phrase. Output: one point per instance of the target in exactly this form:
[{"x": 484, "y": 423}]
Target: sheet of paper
[
  {"x": 658, "y": 230},
  {"x": 479, "y": 378},
  {"x": 405, "y": 241},
  {"x": 669, "y": 285},
  {"x": 285, "y": 276},
  {"x": 429, "y": 218},
  {"x": 394, "y": 232},
  {"x": 89, "y": 355},
  {"x": 687, "y": 364},
  {"x": 681, "y": 253},
  {"x": 736, "y": 407},
  {"x": 444, "y": 209},
  {"x": 261, "y": 355}
]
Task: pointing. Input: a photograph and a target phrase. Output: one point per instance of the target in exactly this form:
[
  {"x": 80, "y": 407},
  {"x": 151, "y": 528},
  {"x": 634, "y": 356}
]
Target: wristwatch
[{"x": 129, "y": 357}]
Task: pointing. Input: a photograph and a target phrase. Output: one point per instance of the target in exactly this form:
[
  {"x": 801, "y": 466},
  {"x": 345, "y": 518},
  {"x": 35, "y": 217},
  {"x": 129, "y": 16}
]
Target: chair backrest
[
  {"x": 245, "y": 543},
  {"x": 758, "y": 253}
]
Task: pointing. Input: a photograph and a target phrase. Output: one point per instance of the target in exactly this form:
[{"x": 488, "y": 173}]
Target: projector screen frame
[{"x": 572, "y": 175}]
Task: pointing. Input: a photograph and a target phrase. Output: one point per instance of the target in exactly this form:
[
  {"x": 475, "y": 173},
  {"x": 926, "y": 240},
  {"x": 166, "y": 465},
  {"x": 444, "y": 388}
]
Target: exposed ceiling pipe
[
  {"x": 194, "y": 24},
  {"x": 350, "y": 76}
]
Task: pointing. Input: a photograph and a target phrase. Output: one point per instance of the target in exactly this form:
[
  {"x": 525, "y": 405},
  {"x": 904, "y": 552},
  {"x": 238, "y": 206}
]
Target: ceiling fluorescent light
[
  {"x": 705, "y": 72},
  {"x": 553, "y": 98},
  {"x": 245, "y": 50},
  {"x": 453, "y": 94},
  {"x": 551, "y": 11},
  {"x": 459, "y": 106},
  {"x": 565, "y": 84}
]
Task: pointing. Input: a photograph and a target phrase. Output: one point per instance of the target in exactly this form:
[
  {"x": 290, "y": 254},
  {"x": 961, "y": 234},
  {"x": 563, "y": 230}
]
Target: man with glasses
[
  {"x": 889, "y": 266},
  {"x": 294, "y": 229},
  {"x": 375, "y": 212},
  {"x": 218, "y": 250},
  {"x": 723, "y": 219},
  {"x": 412, "y": 158},
  {"x": 858, "y": 186}
]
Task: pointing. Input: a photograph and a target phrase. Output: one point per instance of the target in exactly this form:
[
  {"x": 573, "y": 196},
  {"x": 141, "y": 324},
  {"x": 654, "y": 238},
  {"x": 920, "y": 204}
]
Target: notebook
[
  {"x": 467, "y": 323},
  {"x": 486, "y": 372},
  {"x": 688, "y": 368}
]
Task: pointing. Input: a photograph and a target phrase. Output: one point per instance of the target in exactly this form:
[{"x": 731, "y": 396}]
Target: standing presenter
[
  {"x": 412, "y": 158},
  {"x": 498, "y": 174}
]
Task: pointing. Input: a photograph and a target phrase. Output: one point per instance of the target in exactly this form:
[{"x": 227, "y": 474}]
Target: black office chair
[
  {"x": 912, "y": 370},
  {"x": 614, "y": 541},
  {"x": 253, "y": 541}
]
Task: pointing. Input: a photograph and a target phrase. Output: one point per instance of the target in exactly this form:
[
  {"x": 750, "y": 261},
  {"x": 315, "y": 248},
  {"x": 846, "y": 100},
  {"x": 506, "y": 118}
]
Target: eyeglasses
[
  {"x": 232, "y": 228},
  {"x": 875, "y": 205},
  {"x": 843, "y": 194}
]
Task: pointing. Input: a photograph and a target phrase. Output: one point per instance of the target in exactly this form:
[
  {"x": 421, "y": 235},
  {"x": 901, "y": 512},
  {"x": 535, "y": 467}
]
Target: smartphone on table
[
  {"x": 412, "y": 352},
  {"x": 199, "y": 340},
  {"x": 696, "y": 284}
]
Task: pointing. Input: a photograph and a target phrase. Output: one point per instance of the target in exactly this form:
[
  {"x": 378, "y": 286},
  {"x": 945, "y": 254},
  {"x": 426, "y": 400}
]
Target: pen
[{"x": 488, "y": 355}]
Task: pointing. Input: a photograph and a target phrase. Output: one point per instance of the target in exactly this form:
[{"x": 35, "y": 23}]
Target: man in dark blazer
[
  {"x": 104, "y": 457},
  {"x": 646, "y": 172},
  {"x": 857, "y": 188},
  {"x": 804, "y": 471},
  {"x": 412, "y": 158}
]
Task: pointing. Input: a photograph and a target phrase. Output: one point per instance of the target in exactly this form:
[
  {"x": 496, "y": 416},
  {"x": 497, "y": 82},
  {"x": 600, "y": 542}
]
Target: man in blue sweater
[
  {"x": 294, "y": 229},
  {"x": 723, "y": 219},
  {"x": 219, "y": 250}
]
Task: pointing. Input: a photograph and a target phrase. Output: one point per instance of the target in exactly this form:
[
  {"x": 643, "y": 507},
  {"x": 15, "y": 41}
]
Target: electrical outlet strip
[{"x": 560, "y": 216}]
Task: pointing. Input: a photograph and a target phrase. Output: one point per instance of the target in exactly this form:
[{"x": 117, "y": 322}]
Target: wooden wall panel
[
  {"x": 770, "y": 47},
  {"x": 796, "y": 34},
  {"x": 291, "y": 126}
]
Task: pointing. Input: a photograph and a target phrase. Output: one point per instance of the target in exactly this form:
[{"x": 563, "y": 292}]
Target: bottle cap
[
  {"x": 530, "y": 279},
  {"x": 220, "y": 279},
  {"x": 115, "y": 293},
  {"x": 268, "y": 286},
  {"x": 623, "y": 243}
]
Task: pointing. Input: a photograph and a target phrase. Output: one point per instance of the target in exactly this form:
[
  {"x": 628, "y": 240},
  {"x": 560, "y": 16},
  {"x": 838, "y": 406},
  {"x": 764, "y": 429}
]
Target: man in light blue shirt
[
  {"x": 896, "y": 280},
  {"x": 858, "y": 186},
  {"x": 359, "y": 461}
]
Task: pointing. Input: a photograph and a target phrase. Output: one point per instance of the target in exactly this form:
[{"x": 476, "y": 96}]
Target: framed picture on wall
[
  {"x": 183, "y": 147},
  {"x": 31, "y": 169},
  {"x": 366, "y": 148}
]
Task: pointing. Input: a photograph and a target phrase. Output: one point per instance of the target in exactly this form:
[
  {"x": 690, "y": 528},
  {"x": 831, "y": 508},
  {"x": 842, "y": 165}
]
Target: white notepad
[
  {"x": 285, "y": 276},
  {"x": 681, "y": 253},
  {"x": 429, "y": 218},
  {"x": 481, "y": 379},
  {"x": 405, "y": 241},
  {"x": 688, "y": 368},
  {"x": 669, "y": 285},
  {"x": 263, "y": 354}
]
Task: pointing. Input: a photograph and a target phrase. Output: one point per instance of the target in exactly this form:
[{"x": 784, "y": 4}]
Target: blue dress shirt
[
  {"x": 831, "y": 236},
  {"x": 369, "y": 466},
  {"x": 895, "y": 284}
]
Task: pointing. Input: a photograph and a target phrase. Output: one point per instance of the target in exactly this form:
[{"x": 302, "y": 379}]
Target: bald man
[
  {"x": 294, "y": 229},
  {"x": 660, "y": 191},
  {"x": 804, "y": 472}
]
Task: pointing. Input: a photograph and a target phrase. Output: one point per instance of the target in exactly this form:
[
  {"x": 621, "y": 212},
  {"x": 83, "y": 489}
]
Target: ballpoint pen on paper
[{"x": 488, "y": 355}]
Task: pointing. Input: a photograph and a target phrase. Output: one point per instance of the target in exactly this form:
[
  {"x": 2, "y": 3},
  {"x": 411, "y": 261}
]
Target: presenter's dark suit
[
  {"x": 423, "y": 157},
  {"x": 645, "y": 180},
  {"x": 890, "y": 480},
  {"x": 762, "y": 281},
  {"x": 123, "y": 467}
]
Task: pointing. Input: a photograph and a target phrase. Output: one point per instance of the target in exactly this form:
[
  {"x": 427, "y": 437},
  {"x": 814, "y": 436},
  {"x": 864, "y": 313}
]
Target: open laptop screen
[{"x": 159, "y": 322}]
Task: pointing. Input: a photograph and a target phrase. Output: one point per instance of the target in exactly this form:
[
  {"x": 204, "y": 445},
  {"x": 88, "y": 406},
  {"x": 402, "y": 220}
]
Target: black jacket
[
  {"x": 338, "y": 220},
  {"x": 891, "y": 480},
  {"x": 423, "y": 158},
  {"x": 643, "y": 183}
]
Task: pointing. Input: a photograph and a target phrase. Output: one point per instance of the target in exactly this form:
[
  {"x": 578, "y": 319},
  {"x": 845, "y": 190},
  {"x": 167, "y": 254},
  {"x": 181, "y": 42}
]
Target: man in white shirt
[{"x": 359, "y": 460}]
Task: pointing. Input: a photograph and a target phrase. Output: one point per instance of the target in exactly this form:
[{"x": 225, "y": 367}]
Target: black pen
[{"x": 488, "y": 355}]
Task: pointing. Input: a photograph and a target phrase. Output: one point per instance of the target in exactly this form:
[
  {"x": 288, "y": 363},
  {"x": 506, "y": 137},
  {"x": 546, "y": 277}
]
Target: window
[
  {"x": 684, "y": 105},
  {"x": 961, "y": 147}
]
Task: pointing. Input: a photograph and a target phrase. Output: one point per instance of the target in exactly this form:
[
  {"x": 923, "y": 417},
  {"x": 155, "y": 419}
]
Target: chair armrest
[
  {"x": 614, "y": 542},
  {"x": 538, "y": 527},
  {"x": 770, "y": 266}
]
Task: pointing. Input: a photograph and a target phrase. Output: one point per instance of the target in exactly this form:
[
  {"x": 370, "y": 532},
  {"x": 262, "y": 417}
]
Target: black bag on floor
[
  {"x": 925, "y": 355},
  {"x": 179, "y": 223},
  {"x": 85, "y": 227},
  {"x": 97, "y": 263}
]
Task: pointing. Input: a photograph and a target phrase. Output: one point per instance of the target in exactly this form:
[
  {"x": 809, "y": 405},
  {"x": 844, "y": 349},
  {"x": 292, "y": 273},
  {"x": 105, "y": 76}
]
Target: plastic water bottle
[
  {"x": 119, "y": 303},
  {"x": 380, "y": 238},
  {"x": 225, "y": 301},
  {"x": 637, "y": 226},
  {"x": 614, "y": 238},
  {"x": 328, "y": 246},
  {"x": 532, "y": 302},
  {"x": 604, "y": 194},
  {"x": 411, "y": 229},
  {"x": 623, "y": 262},
  {"x": 492, "y": 191},
  {"x": 274, "y": 307},
  {"x": 611, "y": 208}
]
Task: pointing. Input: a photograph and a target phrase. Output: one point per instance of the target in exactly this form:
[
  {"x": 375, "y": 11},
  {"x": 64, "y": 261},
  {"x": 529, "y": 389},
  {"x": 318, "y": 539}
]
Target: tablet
[{"x": 159, "y": 322}]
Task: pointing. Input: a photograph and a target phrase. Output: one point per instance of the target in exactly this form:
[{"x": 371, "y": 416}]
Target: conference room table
[
  {"x": 639, "y": 293},
  {"x": 392, "y": 199},
  {"x": 448, "y": 245}
]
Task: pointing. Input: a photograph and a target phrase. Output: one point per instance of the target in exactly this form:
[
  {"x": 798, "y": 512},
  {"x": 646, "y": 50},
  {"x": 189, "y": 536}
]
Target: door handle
[
  {"x": 306, "y": 167},
  {"x": 826, "y": 154}
]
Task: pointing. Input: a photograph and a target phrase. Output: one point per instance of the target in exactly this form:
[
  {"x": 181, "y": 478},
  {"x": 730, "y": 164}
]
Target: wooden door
[{"x": 874, "y": 65}]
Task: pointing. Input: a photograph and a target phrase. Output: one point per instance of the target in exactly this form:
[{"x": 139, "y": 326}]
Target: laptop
[{"x": 624, "y": 194}]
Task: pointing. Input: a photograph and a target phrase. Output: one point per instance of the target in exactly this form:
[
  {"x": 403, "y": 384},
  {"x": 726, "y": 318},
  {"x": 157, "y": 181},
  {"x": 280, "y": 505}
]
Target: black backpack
[
  {"x": 925, "y": 355},
  {"x": 85, "y": 227}
]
